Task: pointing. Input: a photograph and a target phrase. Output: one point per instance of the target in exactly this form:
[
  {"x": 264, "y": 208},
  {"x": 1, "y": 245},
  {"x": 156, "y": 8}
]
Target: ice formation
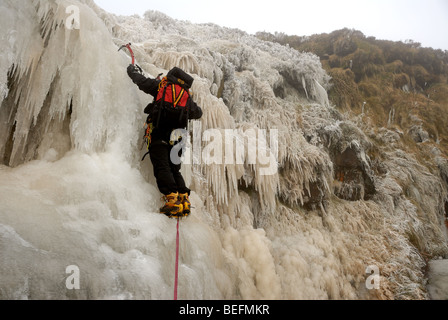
[{"x": 74, "y": 193}]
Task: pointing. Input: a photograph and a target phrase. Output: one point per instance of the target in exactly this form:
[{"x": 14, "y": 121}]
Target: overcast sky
[{"x": 424, "y": 21}]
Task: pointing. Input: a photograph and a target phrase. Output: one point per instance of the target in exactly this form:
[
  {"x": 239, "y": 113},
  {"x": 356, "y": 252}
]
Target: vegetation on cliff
[{"x": 398, "y": 85}]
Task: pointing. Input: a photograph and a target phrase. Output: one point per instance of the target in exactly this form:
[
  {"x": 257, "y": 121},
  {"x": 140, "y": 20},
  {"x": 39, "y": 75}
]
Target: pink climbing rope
[{"x": 176, "y": 277}]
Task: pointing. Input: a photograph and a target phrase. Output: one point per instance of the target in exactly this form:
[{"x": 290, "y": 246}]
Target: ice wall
[
  {"x": 74, "y": 193},
  {"x": 60, "y": 72}
]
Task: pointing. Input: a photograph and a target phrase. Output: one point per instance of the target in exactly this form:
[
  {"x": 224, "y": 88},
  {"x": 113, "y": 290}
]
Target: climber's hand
[{"x": 132, "y": 69}]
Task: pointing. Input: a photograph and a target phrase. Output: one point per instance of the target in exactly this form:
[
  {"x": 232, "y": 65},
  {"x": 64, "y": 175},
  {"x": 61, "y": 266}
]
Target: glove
[{"x": 132, "y": 69}]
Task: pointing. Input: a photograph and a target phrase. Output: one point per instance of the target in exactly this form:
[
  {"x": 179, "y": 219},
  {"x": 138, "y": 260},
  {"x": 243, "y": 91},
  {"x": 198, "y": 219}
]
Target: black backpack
[{"x": 170, "y": 107}]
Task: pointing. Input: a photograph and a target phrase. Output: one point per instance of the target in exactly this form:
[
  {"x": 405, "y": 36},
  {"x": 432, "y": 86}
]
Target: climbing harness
[{"x": 149, "y": 128}]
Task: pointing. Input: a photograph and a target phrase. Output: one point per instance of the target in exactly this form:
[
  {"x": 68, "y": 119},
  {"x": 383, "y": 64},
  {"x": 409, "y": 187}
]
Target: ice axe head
[
  {"x": 124, "y": 46},
  {"x": 130, "y": 50}
]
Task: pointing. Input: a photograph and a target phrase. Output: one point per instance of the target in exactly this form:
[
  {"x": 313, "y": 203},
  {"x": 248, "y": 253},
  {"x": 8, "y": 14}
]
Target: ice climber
[{"x": 171, "y": 91}]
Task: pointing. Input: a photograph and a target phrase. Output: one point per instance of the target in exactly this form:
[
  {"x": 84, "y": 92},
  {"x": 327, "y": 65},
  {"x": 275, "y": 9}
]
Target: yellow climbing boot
[
  {"x": 173, "y": 207},
  {"x": 185, "y": 203}
]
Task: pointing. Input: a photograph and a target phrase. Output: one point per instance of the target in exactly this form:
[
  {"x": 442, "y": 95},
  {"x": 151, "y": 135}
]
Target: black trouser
[{"x": 168, "y": 176}]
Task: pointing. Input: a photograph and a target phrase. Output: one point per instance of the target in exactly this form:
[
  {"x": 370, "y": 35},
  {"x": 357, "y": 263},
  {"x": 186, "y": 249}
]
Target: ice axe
[{"x": 132, "y": 54}]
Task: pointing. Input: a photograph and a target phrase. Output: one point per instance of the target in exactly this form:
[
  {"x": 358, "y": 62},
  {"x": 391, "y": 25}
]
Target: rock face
[
  {"x": 355, "y": 183},
  {"x": 315, "y": 196}
]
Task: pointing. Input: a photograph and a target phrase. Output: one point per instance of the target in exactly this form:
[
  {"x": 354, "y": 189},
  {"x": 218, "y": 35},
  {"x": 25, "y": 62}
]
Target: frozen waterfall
[{"x": 76, "y": 200}]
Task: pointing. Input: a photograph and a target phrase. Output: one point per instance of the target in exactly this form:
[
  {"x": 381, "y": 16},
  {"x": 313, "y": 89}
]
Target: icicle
[
  {"x": 321, "y": 94},
  {"x": 391, "y": 117},
  {"x": 304, "y": 87},
  {"x": 183, "y": 60}
]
